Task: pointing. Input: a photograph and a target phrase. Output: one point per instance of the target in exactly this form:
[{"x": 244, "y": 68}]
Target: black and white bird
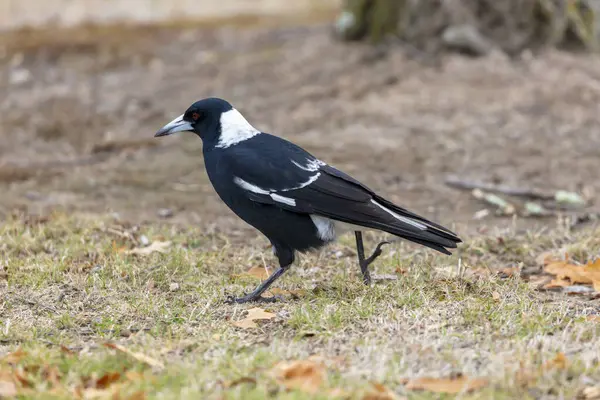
[{"x": 296, "y": 200}]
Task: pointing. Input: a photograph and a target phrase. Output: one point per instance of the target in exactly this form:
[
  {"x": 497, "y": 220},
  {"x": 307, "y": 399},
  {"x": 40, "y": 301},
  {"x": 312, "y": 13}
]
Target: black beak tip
[{"x": 161, "y": 133}]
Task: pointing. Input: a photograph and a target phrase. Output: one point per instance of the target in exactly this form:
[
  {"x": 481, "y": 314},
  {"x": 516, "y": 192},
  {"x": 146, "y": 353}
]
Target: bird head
[{"x": 216, "y": 122}]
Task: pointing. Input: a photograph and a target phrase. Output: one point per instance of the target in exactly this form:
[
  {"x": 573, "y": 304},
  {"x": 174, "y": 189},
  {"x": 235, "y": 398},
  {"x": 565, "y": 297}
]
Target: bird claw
[
  {"x": 376, "y": 253},
  {"x": 364, "y": 264}
]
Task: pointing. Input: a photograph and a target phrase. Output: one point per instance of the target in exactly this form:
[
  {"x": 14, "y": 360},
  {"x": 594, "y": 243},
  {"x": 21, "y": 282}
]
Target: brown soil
[{"x": 78, "y": 119}]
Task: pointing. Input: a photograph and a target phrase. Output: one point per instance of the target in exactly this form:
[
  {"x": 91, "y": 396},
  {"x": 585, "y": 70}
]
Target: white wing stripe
[
  {"x": 249, "y": 187},
  {"x": 285, "y": 200},
  {"x": 311, "y": 165},
  {"x": 255, "y": 189},
  {"x": 400, "y": 217},
  {"x": 305, "y": 184}
]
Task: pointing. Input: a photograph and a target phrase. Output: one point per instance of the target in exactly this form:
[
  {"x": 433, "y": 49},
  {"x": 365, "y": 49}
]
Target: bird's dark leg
[
  {"x": 286, "y": 259},
  {"x": 365, "y": 262},
  {"x": 256, "y": 294}
]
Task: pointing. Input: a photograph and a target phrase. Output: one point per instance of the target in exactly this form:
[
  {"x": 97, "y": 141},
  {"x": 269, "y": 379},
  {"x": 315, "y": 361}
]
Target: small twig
[
  {"x": 457, "y": 183},
  {"x": 582, "y": 219}
]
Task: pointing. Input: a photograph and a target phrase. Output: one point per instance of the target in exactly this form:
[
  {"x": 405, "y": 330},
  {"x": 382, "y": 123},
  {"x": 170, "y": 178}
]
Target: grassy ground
[
  {"x": 69, "y": 286},
  {"x": 400, "y": 122}
]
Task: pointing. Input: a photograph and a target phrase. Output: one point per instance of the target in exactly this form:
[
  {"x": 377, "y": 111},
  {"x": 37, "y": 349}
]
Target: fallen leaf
[
  {"x": 496, "y": 296},
  {"x": 51, "y": 374},
  {"x": 524, "y": 376},
  {"x": 592, "y": 270},
  {"x": 139, "y": 395},
  {"x": 133, "y": 376},
  {"x": 337, "y": 392},
  {"x": 479, "y": 271},
  {"x": 261, "y": 273},
  {"x": 240, "y": 381},
  {"x": 564, "y": 270},
  {"x": 253, "y": 315},
  {"x": 593, "y": 318},
  {"x": 590, "y": 393},
  {"x": 158, "y": 246},
  {"x": 116, "y": 248},
  {"x": 8, "y": 388},
  {"x": 93, "y": 393},
  {"x": 259, "y": 313},
  {"x": 66, "y": 350},
  {"x": 245, "y": 324},
  {"x": 138, "y": 356},
  {"x": 22, "y": 380},
  {"x": 510, "y": 271},
  {"x": 558, "y": 362},
  {"x": 304, "y": 375},
  {"x": 451, "y": 385},
  {"x": 15, "y": 357},
  {"x": 107, "y": 379},
  {"x": 379, "y": 392},
  {"x": 557, "y": 283}
]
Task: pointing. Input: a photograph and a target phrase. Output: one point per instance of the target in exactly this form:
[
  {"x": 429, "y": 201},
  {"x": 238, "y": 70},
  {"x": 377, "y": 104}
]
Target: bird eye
[{"x": 195, "y": 116}]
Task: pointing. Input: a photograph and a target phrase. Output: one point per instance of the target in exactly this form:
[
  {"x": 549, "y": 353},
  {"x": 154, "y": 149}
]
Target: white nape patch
[
  {"x": 400, "y": 217},
  {"x": 284, "y": 200},
  {"x": 234, "y": 129},
  {"x": 311, "y": 165},
  {"x": 329, "y": 229},
  {"x": 249, "y": 187}
]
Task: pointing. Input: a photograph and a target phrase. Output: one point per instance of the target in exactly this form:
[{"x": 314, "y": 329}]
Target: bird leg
[
  {"x": 256, "y": 294},
  {"x": 365, "y": 262}
]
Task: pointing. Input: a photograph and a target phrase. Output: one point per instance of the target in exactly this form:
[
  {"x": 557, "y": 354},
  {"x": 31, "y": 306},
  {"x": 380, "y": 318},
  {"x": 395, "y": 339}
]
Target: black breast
[{"x": 295, "y": 231}]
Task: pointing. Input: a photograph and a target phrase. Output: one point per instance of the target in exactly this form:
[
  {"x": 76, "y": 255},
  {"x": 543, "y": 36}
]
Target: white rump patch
[
  {"x": 249, "y": 187},
  {"x": 406, "y": 220},
  {"x": 285, "y": 200},
  {"x": 329, "y": 229},
  {"x": 235, "y": 129},
  {"x": 311, "y": 165},
  {"x": 325, "y": 227}
]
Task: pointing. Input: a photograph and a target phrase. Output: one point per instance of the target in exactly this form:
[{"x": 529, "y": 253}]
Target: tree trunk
[{"x": 474, "y": 25}]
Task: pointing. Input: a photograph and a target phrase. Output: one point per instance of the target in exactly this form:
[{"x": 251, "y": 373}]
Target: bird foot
[
  {"x": 376, "y": 253},
  {"x": 252, "y": 298},
  {"x": 364, "y": 264}
]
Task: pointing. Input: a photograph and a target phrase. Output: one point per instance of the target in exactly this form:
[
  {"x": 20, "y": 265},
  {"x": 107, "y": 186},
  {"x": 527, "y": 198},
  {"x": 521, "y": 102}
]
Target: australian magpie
[{"x": 296, "y": 200}]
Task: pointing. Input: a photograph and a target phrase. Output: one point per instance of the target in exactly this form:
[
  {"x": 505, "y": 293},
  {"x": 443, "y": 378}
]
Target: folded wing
[{"x": 312, "y": 187}]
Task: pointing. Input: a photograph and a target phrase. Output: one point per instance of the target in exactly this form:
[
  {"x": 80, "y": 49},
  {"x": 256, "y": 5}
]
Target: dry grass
[
  {"x": 69, "y": 284},
  {"x": 394, "y": 123}
]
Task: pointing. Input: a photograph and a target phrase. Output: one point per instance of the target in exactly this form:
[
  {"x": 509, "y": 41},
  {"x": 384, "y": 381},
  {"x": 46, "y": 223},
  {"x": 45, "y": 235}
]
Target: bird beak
[{"x": 177, "y": 125}]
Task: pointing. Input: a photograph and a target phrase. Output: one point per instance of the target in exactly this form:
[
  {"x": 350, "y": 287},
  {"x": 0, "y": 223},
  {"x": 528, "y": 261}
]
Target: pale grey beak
[{"x": 177, "y": 125}]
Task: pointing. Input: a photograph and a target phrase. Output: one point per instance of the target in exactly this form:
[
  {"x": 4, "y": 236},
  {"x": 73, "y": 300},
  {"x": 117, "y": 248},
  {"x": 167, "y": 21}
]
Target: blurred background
[{"x": 474, "y": 112}]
